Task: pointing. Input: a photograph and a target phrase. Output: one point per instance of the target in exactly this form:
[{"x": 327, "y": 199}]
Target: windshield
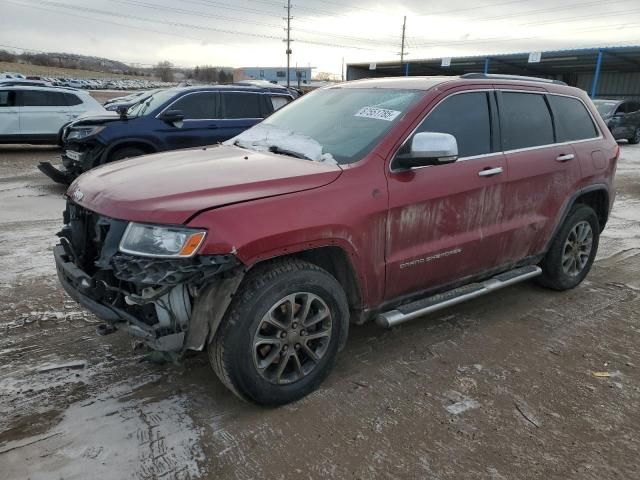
[
  {"x": 605, "y": 107},
  {"x": 336, "y": 125},
  {"x": 149, "y": 104}
]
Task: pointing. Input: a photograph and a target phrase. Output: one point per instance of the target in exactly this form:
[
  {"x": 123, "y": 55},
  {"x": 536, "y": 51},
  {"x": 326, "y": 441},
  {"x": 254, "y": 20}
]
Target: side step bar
[{"x": 426, "y": 305}]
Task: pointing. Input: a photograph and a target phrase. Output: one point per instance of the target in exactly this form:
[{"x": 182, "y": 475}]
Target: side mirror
[
  {"x": 429, "y": 148},
  {"x": 175, "y": 117}
]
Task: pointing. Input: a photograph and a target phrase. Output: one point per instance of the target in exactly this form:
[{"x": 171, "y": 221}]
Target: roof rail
[{"x": 496, "y": 76}]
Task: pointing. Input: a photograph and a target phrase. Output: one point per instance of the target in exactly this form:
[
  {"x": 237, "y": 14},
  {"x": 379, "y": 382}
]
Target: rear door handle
[
  {"x": 490, "y": 172},
  {"x": 565, "y": 157}
]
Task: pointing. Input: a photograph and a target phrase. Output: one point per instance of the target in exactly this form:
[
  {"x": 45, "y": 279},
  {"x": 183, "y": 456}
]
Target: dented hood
[{"x": 171, "y": 187}]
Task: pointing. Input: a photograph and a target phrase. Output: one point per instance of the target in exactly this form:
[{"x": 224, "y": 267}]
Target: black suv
[
  {"x": 167, "y": 120},
  {"x": 622, "y": 117}
]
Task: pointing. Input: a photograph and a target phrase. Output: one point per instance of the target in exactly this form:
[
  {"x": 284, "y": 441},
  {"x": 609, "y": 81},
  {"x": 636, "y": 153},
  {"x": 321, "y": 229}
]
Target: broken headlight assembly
[
  {"x": 80, "y": 133},
  {"x": 161, "y": 241}
]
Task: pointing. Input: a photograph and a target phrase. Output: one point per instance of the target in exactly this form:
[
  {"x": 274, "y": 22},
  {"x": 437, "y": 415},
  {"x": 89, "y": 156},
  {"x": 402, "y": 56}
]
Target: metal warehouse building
[{"x": 606, "y": 72}]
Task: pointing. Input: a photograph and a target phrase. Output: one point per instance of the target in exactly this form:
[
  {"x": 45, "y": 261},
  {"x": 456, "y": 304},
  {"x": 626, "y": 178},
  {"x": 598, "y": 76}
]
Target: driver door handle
[
  {"x": 565, "y": 157},
  {"x": 490, "y": 172}
]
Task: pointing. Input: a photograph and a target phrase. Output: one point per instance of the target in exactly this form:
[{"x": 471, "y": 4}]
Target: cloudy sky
[{"x": 249, "y": 32}]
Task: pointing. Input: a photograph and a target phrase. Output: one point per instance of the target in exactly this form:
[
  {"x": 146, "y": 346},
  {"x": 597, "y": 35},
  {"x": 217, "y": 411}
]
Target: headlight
[
  {"x": 159, "y": 241},
  {"x": 78, "y": 133}
]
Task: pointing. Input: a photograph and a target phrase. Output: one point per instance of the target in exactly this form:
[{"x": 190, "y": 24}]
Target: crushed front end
[{"x": 152, "y": 296}]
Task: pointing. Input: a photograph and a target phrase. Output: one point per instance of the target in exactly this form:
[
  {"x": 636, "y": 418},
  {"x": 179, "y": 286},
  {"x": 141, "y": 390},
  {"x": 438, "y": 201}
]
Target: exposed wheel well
[
  {"x": 599, "y": 201},
  {"x": 336, "y": 261}
]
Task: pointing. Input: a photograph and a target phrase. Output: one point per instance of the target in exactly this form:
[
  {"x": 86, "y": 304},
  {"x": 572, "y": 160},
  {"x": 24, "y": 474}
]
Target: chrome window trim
[
  {"x": 502, "y": 152},
  {"x": 217, "y": 92}
]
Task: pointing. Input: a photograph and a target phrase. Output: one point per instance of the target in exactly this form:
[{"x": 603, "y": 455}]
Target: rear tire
[
  {"x": 126, "y": 152},
  {"x": 636, "y": 137},
  {"x": 572, "y": 251},
  {"x": 281, "y": 334}
]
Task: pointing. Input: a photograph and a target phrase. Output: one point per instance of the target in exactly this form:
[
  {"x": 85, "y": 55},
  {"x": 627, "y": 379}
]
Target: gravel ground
[{"x": 526, "y": 383}]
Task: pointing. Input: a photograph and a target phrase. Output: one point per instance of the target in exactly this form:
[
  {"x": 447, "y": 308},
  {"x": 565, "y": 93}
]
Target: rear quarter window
[
  {"x": 572, "y": 119},
  {"x": 525, "y": 121},
  {"x": 72, "y": 99}
]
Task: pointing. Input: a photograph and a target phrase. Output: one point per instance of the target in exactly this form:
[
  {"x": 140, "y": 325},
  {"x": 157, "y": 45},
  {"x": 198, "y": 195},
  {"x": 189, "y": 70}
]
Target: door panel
[
  {"x": 42, "y": 112},
  {"x": 444, "y": 219},
  {"x": 200, "y": 126},
  {"x": 443, "y": 223},
  {"x": 539, "y": 184}
]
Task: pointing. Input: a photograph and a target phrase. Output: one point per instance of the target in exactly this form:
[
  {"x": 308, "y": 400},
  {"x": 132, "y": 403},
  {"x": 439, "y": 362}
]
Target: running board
[{"x": 426, "y": 305}]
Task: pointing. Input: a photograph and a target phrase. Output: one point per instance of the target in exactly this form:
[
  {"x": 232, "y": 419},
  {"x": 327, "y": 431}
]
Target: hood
[
  {"x": 95, "y": 118},
  {"x": 171, "y": 187}
]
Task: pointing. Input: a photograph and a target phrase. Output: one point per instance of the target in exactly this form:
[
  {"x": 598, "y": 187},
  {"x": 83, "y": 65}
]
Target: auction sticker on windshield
[{"x": 377, "y": 113}]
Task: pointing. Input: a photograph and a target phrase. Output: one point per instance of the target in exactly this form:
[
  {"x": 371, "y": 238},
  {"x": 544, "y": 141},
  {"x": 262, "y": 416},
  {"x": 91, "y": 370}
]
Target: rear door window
[
  {"x": 525, "y": 121},
  {"x": 572, "y": 119},
  {"x": 41, "y": 98},
  {"x": 198, "y": 106},
  {"x": 466, "y": 117},
  {"x": 241, "y": 105}
]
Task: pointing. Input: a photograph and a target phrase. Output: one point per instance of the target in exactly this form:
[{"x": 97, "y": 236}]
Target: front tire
[
  {"x": 281, "y": 335},
  {"x": 572, "y": 251},
  {"x": 636, "y": 137}
]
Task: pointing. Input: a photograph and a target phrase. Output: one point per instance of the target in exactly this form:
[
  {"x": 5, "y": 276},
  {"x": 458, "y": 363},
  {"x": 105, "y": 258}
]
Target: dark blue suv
[{"x": 167, "y": 120}]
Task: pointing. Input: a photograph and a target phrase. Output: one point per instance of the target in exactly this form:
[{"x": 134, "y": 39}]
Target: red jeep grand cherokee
[{"x": 377, "y": 199}]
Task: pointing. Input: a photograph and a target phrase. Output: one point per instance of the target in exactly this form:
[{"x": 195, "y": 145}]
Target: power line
[
  {"x": 192, "y": 26},
  {"x": 199, "y": 14}
]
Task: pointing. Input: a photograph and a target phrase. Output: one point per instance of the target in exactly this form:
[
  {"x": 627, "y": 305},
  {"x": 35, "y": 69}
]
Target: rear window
[
  {"x": 466, "y": 117},
  {"x": 572, "y": 119},
  {"x": 525, "y": 121},
  {"x": 41, "y": 98},
  {"x": 242, "y": 105}
]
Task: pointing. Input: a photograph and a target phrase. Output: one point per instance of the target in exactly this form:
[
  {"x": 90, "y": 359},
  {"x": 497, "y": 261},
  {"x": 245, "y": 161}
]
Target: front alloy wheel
[
  {"x": 281, "y": 334},
  {"x": 292, "y": 338}
]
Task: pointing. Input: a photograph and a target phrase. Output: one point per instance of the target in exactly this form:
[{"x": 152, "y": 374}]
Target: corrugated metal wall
[{"x": 613, "y": 84}]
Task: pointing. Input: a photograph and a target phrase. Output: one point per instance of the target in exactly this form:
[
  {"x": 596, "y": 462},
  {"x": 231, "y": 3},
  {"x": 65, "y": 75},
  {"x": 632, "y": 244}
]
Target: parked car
[
  {"x": 12, "y": 75},
  {"x": 167, "y": 120},
  {"x": 378, "y": 199},
  {"x": 35, "y": 114},
  {"x": 622, "y": 117}
]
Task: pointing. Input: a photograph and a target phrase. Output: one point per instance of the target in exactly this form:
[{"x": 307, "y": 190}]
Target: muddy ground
[{"x": 502, "y": 387}]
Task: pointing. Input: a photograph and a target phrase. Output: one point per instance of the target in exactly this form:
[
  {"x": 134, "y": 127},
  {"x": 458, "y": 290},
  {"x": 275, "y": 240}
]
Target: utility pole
[
  {"x": 288, "y": 7},
  {"x": 404, "y": 26}
]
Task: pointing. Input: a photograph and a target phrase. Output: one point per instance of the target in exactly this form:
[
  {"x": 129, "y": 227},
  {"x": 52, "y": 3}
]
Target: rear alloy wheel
[
  {"x": 572, "y": 251},
  {"x": 577, "y": 249},
  {"x": 636, "y": 137},
  {"x": 281, "y": 334}
]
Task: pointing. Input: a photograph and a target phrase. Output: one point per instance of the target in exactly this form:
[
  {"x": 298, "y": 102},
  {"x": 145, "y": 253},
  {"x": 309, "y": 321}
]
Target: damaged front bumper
[
  {"x": 76, "y": 160},
  {"x": 161, "y": 301}
]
